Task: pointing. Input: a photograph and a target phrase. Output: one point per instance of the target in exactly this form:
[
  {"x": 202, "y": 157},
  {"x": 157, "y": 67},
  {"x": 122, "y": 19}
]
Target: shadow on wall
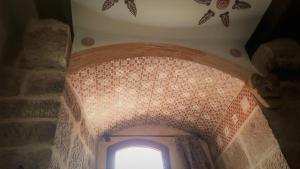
[{"x": 14, "y": 17}]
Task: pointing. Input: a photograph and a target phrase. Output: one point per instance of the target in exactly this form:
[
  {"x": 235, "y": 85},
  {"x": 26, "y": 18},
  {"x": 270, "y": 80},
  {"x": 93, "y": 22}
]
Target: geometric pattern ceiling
[{"x": 121, "y": 93}]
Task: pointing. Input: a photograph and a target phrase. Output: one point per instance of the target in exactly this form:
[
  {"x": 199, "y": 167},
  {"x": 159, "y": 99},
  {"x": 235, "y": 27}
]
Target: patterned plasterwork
[{"x": 156, "y": 90}]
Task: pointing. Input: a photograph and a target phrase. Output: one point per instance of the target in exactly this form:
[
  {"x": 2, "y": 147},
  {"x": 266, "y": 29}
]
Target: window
[
  {"x": 138, "y": 154},
  {"x": 138, "y": 158}
]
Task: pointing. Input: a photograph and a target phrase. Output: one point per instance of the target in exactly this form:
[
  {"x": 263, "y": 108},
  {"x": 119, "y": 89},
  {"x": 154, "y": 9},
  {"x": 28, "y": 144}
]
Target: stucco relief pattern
[{"x": 158, "y": 90}]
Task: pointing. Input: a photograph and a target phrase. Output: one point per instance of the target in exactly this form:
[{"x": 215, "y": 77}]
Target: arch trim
[{"x": 130, "y": 50}]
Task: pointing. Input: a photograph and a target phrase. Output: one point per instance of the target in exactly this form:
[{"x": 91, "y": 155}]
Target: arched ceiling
[
  {"x": 116, "y": 87},
  {"x": 121, "y": 89},
  {"x": 150, "y": 89}
]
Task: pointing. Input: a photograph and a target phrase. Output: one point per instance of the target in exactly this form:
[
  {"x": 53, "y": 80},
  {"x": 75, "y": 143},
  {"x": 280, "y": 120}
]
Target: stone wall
[
  {"x": 254, "y": 147},
  {"x": 30, "y": 96},
  {"x": 75, "y": 146},
  {"x": 284, "y": 119},
  {"x": 279, "y": 61}
]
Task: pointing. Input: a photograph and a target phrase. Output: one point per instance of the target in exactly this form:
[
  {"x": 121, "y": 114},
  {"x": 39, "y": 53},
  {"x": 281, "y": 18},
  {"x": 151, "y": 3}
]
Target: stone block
[
  {"x": 63, "y": 135},
  {"x": 72, "y": 102},
  {"x": 88, "y": 138},
  {"x": 267, "y": 87},
  {"x": 54, "y": 164},
  {"x": 275, "y": 161},
  {"x": 257, "y": 136},
  {"x": 28, "y": 159},
  {"x": 46, "y": 45},
  {"x": 76, "y": 158},
  {"x": 279, "y": 54},
  {"x": 262, "y": 59},
  {"x": 45, "y": 83},
  {"x": 24, "y": 133},
  {"x": 10, "y": 83},
  {"x": 234, "y": 157},
  {"x": 28, "y": 108}
]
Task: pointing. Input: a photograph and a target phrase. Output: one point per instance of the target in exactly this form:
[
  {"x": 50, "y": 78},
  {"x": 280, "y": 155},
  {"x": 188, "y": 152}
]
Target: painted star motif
[
  {"x": 221, "y": 5},
  {"x": 130, "y": 5}
]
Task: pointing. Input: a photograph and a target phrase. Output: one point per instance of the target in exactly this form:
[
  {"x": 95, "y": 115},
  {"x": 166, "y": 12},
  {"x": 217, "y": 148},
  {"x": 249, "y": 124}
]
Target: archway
[{"x": 126, "y": 85}]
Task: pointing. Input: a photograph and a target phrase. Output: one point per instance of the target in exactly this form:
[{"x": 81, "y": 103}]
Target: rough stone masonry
[{"x": 31, "y": 94}]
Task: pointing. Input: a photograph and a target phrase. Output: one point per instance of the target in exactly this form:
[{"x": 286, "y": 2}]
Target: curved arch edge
[{"x": 130, "y": 50}]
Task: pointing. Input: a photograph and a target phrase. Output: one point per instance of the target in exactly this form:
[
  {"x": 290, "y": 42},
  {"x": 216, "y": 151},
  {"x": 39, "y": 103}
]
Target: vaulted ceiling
[{"x": 169, "y": 86}]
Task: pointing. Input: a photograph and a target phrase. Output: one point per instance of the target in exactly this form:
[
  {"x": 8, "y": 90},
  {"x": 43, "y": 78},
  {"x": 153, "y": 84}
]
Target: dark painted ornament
[
  {"x": 222, "y": 4},
  {"x": 131, "y": 6},
  {"x": 225, "y": 19},
  {"x": 235, "y": 52},
  {"x": 209, "y": 14},
  {"x": 205, "y": 2},
  {"x": 87, "y": 41},
  {"x": 241, "y": 5},
  {"x": 108, "y": 4}
]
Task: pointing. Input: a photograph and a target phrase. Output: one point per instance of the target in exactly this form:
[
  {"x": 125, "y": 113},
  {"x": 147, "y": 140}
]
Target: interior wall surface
[
  {"x": 30, "y": 96},
  {"x": 254, "y": 147}
]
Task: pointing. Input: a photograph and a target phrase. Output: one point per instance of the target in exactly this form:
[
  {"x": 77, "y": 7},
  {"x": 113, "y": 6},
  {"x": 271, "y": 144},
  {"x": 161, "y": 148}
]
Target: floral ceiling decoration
[
  {"x": 130, "y": 5},
  {"x": 220, "y": 4}
]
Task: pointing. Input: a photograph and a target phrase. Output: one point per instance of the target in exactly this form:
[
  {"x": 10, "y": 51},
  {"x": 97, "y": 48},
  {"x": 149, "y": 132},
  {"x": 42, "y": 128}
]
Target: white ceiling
[{"x": 167, "y": 21}]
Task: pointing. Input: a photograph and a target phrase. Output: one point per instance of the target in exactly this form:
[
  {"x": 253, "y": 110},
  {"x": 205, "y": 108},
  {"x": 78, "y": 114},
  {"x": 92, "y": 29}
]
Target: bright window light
[{"x": 138, "y": 158}]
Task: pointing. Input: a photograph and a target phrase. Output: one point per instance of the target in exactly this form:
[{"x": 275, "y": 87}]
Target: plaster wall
[{"x": 254, "y": 147}]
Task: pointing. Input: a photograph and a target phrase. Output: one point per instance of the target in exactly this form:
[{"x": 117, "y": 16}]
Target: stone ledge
[
  {"x": 10, "y": 82},
  {"x": 24, "y": 133},
  {"x": 72, "y": 102},
  {"x": 46, "y": 45},
  {"x": 44, "y": 83},
  {"x": 23, "y": 108},
  {"x": 63, "y": 135}
]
